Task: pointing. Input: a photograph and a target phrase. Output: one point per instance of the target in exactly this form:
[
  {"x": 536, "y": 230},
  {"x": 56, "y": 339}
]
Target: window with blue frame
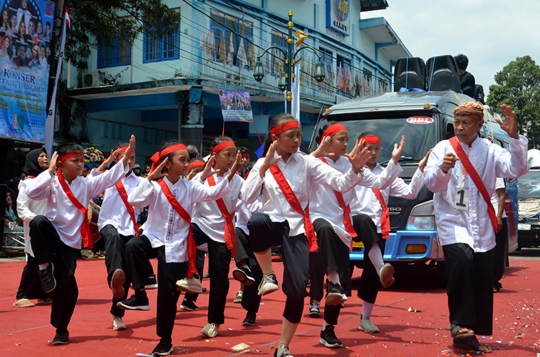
[
  {"x": 277, "y": 58},
  {"x": 327, "y": 60},
  {"x": 233, "y": 39},
  {"x": 162, "y": 48},
  {"x": 343, "y": 64},
  {"x": 119, "y": 54}
]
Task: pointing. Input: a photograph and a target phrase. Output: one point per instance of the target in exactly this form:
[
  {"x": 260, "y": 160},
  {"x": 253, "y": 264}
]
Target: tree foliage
[
  {"x": 109, "y": 20},
  {"x": 518, "y": 85}
]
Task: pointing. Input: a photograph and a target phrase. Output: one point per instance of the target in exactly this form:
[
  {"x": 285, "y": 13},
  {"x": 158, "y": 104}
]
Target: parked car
[{"x": 529, "y": 209}]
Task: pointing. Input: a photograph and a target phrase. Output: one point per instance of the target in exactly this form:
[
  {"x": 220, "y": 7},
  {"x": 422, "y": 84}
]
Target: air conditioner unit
[{"x": 92, "y": 79}]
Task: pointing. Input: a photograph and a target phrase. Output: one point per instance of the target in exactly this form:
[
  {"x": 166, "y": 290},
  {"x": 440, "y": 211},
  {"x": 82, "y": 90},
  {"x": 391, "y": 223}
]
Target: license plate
[
  {"x": 524, "y": 227},
  {"x": 360, "y": 245}
]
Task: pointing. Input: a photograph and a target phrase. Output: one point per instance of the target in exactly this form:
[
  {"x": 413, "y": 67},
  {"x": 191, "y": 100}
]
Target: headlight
[{"x": 422, "y": 217}]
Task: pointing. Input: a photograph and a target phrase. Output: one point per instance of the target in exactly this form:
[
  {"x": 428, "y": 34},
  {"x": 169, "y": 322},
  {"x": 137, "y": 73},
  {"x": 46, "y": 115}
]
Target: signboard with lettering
[
  {"x": 337, "y": 16},
  {"x": 25, "y": 37},
  {"x": 235, "y": 105}
]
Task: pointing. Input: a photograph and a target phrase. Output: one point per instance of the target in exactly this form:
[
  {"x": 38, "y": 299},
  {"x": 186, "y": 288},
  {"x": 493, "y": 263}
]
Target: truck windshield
[
  {"x": 419, "y": 138},
  {"x": 529, "y": 185}
]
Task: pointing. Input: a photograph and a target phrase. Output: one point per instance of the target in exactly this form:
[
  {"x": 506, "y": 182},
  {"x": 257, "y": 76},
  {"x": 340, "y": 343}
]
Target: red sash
[
  {"x": 230, "y": 235},
  {"x": 476, "y": 179},
  {"x": 124, "y": 196},
  {"x": 347, "y": 222},
  {"x": 85, "y": 226},
  {"x": 192, "y": 248},
  {"x": 295, "y": 204},
  {"x": 385, "y": 217}
]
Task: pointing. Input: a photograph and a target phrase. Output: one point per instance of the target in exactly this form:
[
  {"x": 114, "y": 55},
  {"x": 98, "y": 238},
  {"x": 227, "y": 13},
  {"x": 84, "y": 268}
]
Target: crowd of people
[{"x": 313, "y": 206}]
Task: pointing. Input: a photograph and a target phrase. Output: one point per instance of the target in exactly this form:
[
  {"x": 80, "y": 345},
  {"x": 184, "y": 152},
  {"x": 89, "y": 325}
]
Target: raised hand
[
  {"x": 359, "y": 155},
  {"x": 52, "y": 163},
  {"x": 269, "y": 159},
  {"x": 510, "y": 121},
  {"x": 208, "y": 169},
  {"x": 155, "y": 174},
  {"x": 422, "y": 164},
  {"x": 398, "y": 150},
  {"x": 322, "y": 149},
  {"x": 130, "y": 150},
  {"x": 238, "y": 163}
]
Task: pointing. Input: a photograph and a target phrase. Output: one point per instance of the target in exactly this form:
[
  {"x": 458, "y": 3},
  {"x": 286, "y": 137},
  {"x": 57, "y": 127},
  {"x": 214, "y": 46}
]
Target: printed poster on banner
[
  {"x": 235, "y": 105},
  {"x": 25, "y": 53}
]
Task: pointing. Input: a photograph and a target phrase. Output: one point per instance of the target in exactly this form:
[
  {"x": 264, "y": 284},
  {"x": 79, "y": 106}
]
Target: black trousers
[
  {"x": 30, "y": 285},
  {"x": 263, "y": 234},
  {"x": 219, "y": 260},
  {"x": 115, "y": 258},
  {"x": 499, "y": 261},
  {"x": 470, "y": 287},
  {"x": 369, "y": 284},
  {"x": 251, "y": 300},
  {"x": 199, "y": 264},
  {"x": 333, "y": 255},
  {"x": 138, "y": 251},
  {"x": 48, "y": 247}
]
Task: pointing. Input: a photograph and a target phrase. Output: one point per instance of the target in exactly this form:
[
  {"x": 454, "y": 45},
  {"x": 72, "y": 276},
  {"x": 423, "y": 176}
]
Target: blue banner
[
  {"x": 25, "y": 37},
  {"x": 235, "y": 105}
]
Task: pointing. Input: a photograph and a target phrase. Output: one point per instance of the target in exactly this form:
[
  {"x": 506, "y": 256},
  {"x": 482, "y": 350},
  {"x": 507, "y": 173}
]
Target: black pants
[
  {"x": 251, "y": 300},
  {"x": 199, "y": 264},
  {"x": 333, "y": 256},
  {"x": 368, "y": 287},
  {"x": 115, "y": 258},
  {"x": 263, "y": 234},
  {"x": 30, "y": 285},
  {"x": 470, "y": 287},
  {"x": 138, "y": 251},
  {"x": 49, "y": 248},
  {"x": 499, "y": 260},
  {"x": 219, "y": 260}
]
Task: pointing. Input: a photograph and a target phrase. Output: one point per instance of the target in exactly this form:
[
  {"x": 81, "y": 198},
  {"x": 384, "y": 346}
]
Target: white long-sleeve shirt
[
  {"x": 27, "y": 209},
  {"x": 64, "y": 216},
  {"x": 302, "y": 172},
  {"x": 472, "y": 226},
  {"x": 367, "y": 203},
  {"x": 324, "y": 204},
  {"x": 245, "y": 211},
  {"x": 164, "y": 226},
  {"x": 113, "y": 210},
  {"x": 208, "y": 217}
]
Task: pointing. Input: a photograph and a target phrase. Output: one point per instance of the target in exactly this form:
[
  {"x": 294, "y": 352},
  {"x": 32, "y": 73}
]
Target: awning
[{"x": 385, "y": 38}]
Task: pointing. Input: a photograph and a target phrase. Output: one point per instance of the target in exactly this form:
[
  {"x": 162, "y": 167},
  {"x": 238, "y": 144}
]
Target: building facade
[{"x": 168, "y": 88}]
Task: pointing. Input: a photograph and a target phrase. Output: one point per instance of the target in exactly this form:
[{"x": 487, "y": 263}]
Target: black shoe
[
  {"x": 48, "y": 283},
  {"x": 189, "y": 305},
  {"x": 244, "y": 276},
  {"x": 61, "y": 337},
  {"x": 135, "y": 302},
  {"x": 150, "y": 282},
  {"x": 329, "y": 339},
  {"x": 163, "y": 349},
  {"x": 314, "y": 308},
  {"x": 334, "y": 293},
  {"x": 250, "y": 319}
]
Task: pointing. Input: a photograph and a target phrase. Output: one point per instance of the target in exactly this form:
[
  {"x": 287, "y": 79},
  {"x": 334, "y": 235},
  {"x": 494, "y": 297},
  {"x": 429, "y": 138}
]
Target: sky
[{"x": 491, "y": 33}]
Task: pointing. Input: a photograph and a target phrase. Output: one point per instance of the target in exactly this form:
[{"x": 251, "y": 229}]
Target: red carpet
[{"x": 26, "y": 332}]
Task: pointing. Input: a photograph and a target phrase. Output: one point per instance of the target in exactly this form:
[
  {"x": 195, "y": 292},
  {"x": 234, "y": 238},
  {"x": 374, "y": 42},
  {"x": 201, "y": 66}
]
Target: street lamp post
[{"x": 289, "y": 61}]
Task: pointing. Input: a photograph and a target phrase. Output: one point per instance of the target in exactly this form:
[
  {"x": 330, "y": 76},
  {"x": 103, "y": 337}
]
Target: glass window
[
  {"x": 229, "y": 33},
  {"x": 162, "y": 48},
  {"x": 119, "y": 54}
]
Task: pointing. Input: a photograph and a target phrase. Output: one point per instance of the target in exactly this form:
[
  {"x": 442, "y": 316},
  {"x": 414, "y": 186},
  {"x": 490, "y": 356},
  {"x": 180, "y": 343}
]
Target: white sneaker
[
  {"x": 367, "y": 326},
  {"x": 282, "y": 351},
  {"x": 210, "y": 330},
  {"x": 268, "y": 284},
  {"x": 117, "y": 324},
  {"x": 192, "y": 285}
]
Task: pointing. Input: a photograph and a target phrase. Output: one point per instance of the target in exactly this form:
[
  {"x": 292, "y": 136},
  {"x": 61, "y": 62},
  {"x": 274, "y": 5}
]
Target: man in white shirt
[{"x": 465, "y": 218}]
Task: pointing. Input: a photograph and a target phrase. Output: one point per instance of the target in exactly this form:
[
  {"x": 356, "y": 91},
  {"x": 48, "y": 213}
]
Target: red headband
[
  {"x": 333, "y": 130},
  {"x": 196, "y": 164},
  {"x": 158, "y": 156},
  {"x": 371, "y": 139},
  {"x": 246, "y": 154},
  {"x": 291, "y": 124},
  {"x": 69, "y": 155},
  {"x": 122, "y": 149},
  {"x": 222, "y": 146}
]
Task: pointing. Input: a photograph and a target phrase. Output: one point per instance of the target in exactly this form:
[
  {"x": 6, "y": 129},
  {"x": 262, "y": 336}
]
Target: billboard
[
  {"x": 25, "y": 37},
  {"x": 235, "y": 105}
]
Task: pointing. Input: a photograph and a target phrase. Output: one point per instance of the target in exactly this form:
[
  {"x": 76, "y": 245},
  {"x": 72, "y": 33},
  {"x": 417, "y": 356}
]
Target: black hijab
[{"x": 31, "y": 166}]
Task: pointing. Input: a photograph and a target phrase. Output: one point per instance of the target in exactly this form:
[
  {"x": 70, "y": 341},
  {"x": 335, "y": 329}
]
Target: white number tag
[{"x": 461, "y": 201}]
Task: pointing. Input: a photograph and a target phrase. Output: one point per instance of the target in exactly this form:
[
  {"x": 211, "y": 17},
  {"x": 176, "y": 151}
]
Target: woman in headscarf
[{"x": 30, "y": 286}]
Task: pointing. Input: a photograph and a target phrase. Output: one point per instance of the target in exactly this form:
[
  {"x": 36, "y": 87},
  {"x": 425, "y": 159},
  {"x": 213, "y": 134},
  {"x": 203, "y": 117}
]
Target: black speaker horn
[
  {"x": 442, "y": 74},
  {"x": 409, "y": 73}
]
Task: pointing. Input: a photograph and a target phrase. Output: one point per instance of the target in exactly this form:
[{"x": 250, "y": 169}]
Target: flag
[
  {"x": 230, "y": 52},
  {"x": 241, "y": 55},
  {"x": 354, "y": 81},
  {"x": 312, "y": 71},
  {"x": 295, "y": 104},
  {"x": 350, "y": 80},
  {"x": 253, "y": 58},
  {"x": 209, "y": 45},
  {"x": 222, "y": 51},
  {"x": 51, "y": 113},
  {"x": 357, "y": 85},
  {"x": 275, "y": 63},
  {"x": 339, "y": 82},
  {"x": 302, "y": 74}
]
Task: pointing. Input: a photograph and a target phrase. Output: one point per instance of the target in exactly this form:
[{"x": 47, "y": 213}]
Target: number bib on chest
[{"x": 461, "y": 200}]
